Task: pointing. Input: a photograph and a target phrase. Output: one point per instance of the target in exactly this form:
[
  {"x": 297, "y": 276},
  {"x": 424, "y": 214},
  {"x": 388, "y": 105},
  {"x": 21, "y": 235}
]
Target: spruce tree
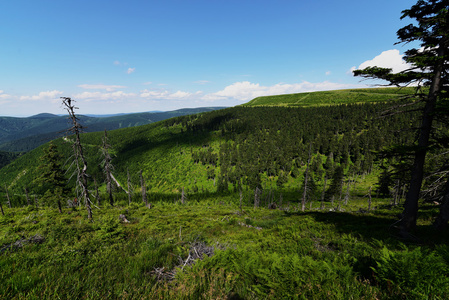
[
  {"x": 52, "y": 178},
  {"x": 429, "y": 69}
]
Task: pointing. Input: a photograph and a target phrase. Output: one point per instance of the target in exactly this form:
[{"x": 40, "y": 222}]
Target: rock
[{"x": 123, "y": 218}]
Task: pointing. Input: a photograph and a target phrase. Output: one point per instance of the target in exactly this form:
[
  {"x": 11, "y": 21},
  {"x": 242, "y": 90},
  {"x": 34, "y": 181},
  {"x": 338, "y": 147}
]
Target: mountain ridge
[{"x": 24, "y": 134}]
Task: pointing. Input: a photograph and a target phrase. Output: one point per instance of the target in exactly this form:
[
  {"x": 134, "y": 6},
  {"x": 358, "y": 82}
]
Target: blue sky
[{"x": 133, "y": 56}]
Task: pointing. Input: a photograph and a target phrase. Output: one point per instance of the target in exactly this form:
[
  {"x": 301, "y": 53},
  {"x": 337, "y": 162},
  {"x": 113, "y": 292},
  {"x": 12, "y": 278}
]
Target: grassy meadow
[{"x": 215, "y": 248}]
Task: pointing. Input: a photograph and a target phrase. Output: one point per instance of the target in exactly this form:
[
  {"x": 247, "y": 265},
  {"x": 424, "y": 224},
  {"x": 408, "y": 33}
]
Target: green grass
[
  {"x": 259, "y": 253},
  {"x": 332, "y": 97}
]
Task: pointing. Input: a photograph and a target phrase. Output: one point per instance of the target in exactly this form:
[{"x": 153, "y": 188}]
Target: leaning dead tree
[{"x": 79, "y": 158}]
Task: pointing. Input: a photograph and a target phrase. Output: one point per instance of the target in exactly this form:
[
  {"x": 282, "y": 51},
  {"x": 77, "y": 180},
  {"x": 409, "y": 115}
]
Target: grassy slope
[
  {"x": 331, "y": 97},
  {"x": 259, "y": 254}
]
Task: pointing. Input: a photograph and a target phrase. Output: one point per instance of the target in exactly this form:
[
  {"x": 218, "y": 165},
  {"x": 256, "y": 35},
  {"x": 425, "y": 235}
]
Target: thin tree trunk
[
  {"x": 59, "y": 206},
  {"x": 347, "y": 194},
  {"x": 7, "y": 197},
  {"x": 183, "y": 196},
  {"x": 241, "y": 198},
  {"x": 410, "y": 213},
  {"x": 397, "y": 193},
  {"x": 129, "y": 187},
  {"x": 97, "y": 192},
  {"x": 28, "y": 197},
  {"x": 369, "y": 198},
  {"x": 306, "y": 177},
  {"x": 256, "y": 197},
  {"x": 144, "y": 190},
  {"x": 323, "y": 193},
  {"x": 35, "y": 202},
  {"x": 107, "y": 168},
  {"x": 1, "y": 208}
]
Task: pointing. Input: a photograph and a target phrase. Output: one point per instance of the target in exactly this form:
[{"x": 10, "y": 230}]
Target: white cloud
[
  {"x": 91, "y": 96},
  {"x": 130, "y": 70},
  {"x": 108, "y": 88},
  {"x": 387, "y": 59},
  {"x": 328, "y": 73},
  {"x": 48, "y": 95},
  {"x": 116, "y": 62},
  {"x": 245, "y": 90},
  {"x": 201, "y": 81},
  {"x": 3, "y": 95},
  {"x": 165, "y": 94},
  {"x": 147, "y": 83}
]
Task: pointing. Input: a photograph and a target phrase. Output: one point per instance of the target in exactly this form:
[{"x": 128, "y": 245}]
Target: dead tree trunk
[
  {"x": 144, "y": 190},
  {"x": 7, "y": 197},
  {"x": 369, "y": 198},
  {"x": 78, "y": 153},
  {"x": 129, "y": 187},
  {"x": 256, "y": 197},
  {"x": 28, "y": 197},
  {"x": 306, "y": 177},
  {"x": 35, "y": 202},
  {"x": 107, "y": 168},
  {"x": 183, "y": 196},
  {"x": 97, "y": 193},
  {"x": 347, "y": 193},
  {"x": 241, "y": 198},
  {"x": 323, "y": 193}
]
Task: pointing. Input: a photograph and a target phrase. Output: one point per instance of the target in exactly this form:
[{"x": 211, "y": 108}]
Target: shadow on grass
[{"x": 381, "y": 225}]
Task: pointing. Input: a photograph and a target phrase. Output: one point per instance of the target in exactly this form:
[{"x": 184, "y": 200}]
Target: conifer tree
[
  {"x": 429, "y": 69},
  {"x": 52, "y": 176},
  {"x": 336, "y": 185}
]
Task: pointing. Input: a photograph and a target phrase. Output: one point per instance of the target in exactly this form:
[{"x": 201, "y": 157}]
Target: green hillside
[
  {"x": 241, "y": 147},
  {"x": 332, "y": 97}
]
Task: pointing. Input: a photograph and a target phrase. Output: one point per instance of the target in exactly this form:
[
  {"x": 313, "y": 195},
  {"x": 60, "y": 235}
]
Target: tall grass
[{"x": 259, "y": 253}]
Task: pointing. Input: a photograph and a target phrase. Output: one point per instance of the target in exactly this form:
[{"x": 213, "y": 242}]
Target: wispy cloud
[
  {"x": 201, "y": 81},
  {"x": 92, "y": 96},
  {"x": 108, "y": 88},
  {"x": 48, "y": 95},
  {"x": 130, "y": 70},
  {"x": 165, "y": 94},
  {"x": 3, "y": 95}
]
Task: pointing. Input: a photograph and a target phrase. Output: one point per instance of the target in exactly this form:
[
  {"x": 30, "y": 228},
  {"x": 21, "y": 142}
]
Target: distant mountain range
[{"x": 24, "y": 134}]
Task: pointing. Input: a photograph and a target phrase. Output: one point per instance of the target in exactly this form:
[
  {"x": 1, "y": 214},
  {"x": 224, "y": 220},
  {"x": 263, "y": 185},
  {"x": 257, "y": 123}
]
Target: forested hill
[
  {"x": 332, "y": 97},
  {"x": 24, "y": 134},
  {"x": 240, "y": 147}
]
